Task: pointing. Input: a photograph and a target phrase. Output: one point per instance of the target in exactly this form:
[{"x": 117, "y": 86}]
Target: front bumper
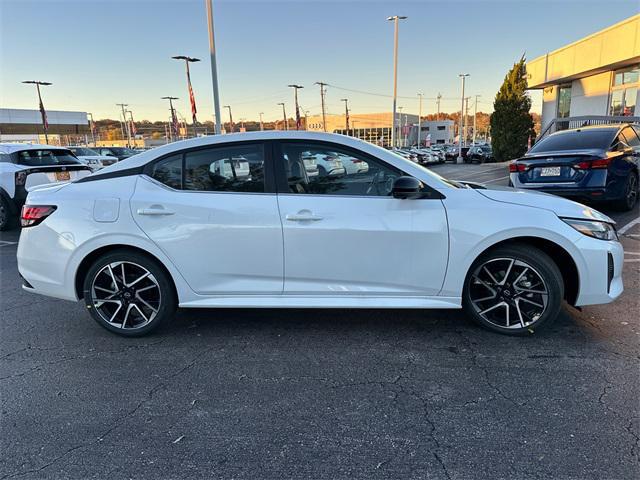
[{"x": 601, "y": 272}]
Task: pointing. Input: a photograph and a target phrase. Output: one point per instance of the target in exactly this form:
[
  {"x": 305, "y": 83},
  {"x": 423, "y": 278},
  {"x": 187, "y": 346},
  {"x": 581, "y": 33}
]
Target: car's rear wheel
[
  {"x": 514, "y": 290},
  {"x": 128, "y": 293},
  {"x": 630, "y": 198}
]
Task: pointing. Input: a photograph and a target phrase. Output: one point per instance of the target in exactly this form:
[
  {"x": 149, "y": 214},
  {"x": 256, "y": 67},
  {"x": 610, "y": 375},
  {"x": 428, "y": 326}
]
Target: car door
[
  {"x": 345, "y": 234},
  {"x": 214, "y": 213}
]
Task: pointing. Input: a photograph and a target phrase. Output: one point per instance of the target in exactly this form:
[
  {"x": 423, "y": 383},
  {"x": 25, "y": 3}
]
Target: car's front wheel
[
  {"x": 513, "y": 289},
  {"x": 128, "y": 293}
]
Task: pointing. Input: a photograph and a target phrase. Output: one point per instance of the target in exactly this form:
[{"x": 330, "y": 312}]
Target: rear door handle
[
  {"x": 304, "y": 216},
  {"x": 154, "y": 211}
]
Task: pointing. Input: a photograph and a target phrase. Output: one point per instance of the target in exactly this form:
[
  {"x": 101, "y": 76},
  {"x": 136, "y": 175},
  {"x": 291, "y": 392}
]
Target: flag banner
[
  {"x": 133, "y": 128},
  {"x": 174, "y": 123},
  {"x": 45, "y": 122},
  {"x": 298, "y": 119},
  {"x": 192, "y": 97}
]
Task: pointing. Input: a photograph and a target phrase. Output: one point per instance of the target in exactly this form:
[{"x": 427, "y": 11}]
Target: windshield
[
  {"x": 122, "y": 151},
  {"x": 85, "y": 152},
  {"x": 575, "y": 140},
  {"x": 38, "y": 158}
]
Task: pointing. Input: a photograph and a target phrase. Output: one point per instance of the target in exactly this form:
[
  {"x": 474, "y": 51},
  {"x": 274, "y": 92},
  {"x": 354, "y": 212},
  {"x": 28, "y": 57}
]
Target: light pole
[
  {"x": 463, "y": 76},
  {"x": 261, "y": 122},
  {"x": 475, "y": 118},
  {"x": 438, "y": 98},
  {"x": 295, "y": 97},
  {"x": 419, "y": 117},
  {"x": 346, "y": 113},
  {"x": 466, "y": 117},
  {"x": 214, "y": 67},
  {"x": 324, "y": 119},
  {"x": 306, "y": 119},
  {"x": 133, "y": 127},
  {"x": 284, "y": 115},
  {"x": 400, "y": 125},
  {"x": 43, "y": 113},
  {"x": 92, "y": 126},
  {"x": 192, "y": 98},
  {"x": 395, "y": 20},
  {"x": 174, "y": 120},
  {"x": 230, "y": 119},
  {"x": 126, "y": 125}
]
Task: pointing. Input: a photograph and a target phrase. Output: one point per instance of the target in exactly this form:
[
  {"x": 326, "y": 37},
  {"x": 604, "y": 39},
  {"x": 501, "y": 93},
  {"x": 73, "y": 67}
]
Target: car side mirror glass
[{"x": 406, "y": 188}]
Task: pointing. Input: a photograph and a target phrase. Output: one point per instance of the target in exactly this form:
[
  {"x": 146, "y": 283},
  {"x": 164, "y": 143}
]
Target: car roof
[
  {"x": 9, "y": 148},
  {"x": 612, "y": 127}
]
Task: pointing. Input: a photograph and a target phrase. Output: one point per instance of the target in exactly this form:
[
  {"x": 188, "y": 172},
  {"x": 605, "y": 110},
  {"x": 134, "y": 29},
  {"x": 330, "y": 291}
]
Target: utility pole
[
  {"x": 395, "y": 20},
  {"x": 295, "y": 97},
  {"x": 92, "y": 127},
  {"x": 346, "y": 113},
  {"x": 192, "y": 98},
  {"x": 438, "y": 98},
  {"x": 132, "y": 128},
  {"x": 261, "y": 122},
  {"x": 400, "y": 126},
  {"x": 475, "y": 119},
  {"x": 126, "y": 125},
  {"x": 466, "y": 118},
  {"x": 174, "y": 121},
  {"x": 419, "y": 117},
  {"x": 284, "y": 115},
  {"x": 324, "y": 114},
  {"x": 463, "y": 76},
  {"x": 43, "y": 113},
  {"x": 214, "y": 67},
  {"x": 230, "y": 119}
]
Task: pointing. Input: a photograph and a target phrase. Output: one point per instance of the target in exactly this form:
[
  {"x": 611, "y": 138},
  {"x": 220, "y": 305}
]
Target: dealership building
[
  {"x": 596, "y": 76},
  {"x": 20, "y": 125}
]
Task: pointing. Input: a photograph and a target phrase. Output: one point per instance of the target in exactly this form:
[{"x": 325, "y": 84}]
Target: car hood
[{"x": 560, "y": 206}]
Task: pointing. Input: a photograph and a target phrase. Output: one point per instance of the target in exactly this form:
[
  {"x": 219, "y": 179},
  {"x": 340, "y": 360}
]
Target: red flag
[
  {"x": 45, "y": 122},
  {"x": 298, "y": 119},
  {"x": 133, "y": 128},
  {"x": 192, "y": 98}
]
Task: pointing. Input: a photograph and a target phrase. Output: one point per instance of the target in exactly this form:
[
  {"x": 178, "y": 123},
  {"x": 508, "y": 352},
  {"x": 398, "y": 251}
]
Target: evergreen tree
[{"x": 511, "y": 122}]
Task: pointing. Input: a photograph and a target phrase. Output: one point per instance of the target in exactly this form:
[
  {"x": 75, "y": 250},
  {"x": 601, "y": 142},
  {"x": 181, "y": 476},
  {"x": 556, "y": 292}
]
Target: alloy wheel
[
  {"x": 632, "y": 192},
  {"x": 126, "y": 295},
  {"x": 508, "y": 293}
]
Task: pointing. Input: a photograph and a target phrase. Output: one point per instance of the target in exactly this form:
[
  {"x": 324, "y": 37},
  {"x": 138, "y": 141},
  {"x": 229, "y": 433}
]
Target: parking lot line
[
  {"x": 4, "y": 243},
  {"x": 629, "y": 226}
]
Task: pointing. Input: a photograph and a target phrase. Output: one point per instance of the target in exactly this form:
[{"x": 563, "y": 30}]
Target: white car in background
[
  {"x": 353, "y": 165},
  {"x": 93, "y": 159},
  {"x": 24, "y": 166},
  {"x": 328, "y": 163},
  {"x": 144, "y": 236}
]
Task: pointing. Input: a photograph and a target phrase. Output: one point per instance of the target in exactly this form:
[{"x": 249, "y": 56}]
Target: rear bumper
[{"x": 593, "y": 190}]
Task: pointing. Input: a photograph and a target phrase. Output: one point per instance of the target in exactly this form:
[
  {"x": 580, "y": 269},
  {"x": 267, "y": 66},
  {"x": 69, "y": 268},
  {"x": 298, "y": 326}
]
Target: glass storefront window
[{"x": 564, "y": 101}]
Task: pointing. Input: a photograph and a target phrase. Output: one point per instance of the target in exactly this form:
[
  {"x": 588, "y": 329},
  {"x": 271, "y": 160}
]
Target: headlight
[{"x": 591, "y": 228}]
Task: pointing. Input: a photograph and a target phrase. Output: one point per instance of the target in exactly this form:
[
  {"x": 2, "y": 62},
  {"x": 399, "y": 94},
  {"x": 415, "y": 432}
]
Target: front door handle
[
  {"x": 154, "y": 211},
  {"x": 303, "y": 216}
]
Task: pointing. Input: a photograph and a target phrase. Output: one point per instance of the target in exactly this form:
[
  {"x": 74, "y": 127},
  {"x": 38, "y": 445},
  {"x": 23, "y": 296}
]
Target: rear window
[
  {"x": 83, "y": 151},
  {"x": 39, "y": 158},
  {"x": 578, "y": 140}
]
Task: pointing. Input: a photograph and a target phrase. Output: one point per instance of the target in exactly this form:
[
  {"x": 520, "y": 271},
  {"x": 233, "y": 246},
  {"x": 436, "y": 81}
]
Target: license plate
[
  {"x": 550, "y": 172},
  {"x": 62, "y": 176}
]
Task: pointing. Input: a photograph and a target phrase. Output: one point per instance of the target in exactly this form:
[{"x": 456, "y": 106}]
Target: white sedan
[
  {"x": 91, "y": 158},
  {"x": 141, "y": 237}
]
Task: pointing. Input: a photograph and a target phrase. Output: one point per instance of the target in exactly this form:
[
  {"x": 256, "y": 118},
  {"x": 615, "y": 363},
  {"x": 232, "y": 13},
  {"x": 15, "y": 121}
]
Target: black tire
[
  {"x": 630, "y": 198},
  {"x": 536, "y": 265},
  {"x": 7, "y": 219},
  {"x": 165, "y": 304}
]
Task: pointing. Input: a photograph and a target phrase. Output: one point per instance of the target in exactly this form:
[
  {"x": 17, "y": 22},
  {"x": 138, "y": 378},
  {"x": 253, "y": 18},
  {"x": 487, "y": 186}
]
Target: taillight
[
  {"x": 597, "y": 163},
  {"x": 517, "y": 167},
  {"x": 21, "y": 178},
  {"x": 35, "y": 214}
]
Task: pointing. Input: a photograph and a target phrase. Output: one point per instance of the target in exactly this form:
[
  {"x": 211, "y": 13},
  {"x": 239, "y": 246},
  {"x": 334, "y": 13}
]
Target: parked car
[
  {"x": 353, "y": 165},
  {"x": 597, "y": 164},
  {"x": 93, "y": 159},
  {"x": 453, "y": 151},
  {"x": 479, "y": 154},
  {"x": 328, "y": 163},
  {"x": 24, "y": 166},
  {"x": 119, "y": 152},
  {"x": 404, "y": 153},
  {"x": 134, "y": 249}
]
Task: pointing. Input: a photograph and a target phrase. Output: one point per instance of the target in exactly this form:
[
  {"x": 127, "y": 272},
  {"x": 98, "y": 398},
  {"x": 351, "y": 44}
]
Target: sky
[{"x": 101, "y": 52}]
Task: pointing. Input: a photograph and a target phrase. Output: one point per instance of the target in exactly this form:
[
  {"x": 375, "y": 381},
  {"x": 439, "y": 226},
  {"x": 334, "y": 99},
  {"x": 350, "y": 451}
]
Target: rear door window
[{"x": 41, "y": 158}]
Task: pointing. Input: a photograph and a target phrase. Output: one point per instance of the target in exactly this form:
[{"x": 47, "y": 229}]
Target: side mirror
[{"x": 406, "y": 188}]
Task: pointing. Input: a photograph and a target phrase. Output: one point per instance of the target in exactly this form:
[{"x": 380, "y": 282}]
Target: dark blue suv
[{"x": 596, "y": 164}]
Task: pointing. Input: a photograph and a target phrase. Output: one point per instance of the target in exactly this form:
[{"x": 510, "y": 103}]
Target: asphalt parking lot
[{"x": 320, "y": 394}]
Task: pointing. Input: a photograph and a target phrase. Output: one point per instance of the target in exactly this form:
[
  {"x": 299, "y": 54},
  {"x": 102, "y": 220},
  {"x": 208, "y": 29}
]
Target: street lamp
[
  {"x": 261, "y": 121},
  {"x": 230, "y": 118},
  {"x": 395, "y": 20},
  {"x": 419, "y": 117},
  {"x": 284, "y": 114},
  {"x": 463, "y": 76},
  {"x": 43, "y": 113},
  {"x": 214, "y": 67},
  {"x": 192, "y": 98}
]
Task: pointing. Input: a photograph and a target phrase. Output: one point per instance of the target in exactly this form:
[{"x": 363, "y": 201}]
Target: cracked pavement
[{"x": 317, "y": 394}]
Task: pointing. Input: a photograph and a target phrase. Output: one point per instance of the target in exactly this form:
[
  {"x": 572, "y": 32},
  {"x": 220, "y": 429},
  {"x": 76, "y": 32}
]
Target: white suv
[{"x": 23, "y": 166}]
